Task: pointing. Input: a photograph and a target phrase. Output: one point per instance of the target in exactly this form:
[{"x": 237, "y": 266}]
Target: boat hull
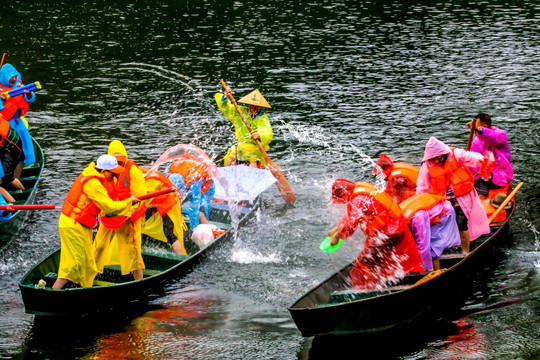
[
  {"x": 315, "y": 316},
  {"x": 86, "y": 302}
]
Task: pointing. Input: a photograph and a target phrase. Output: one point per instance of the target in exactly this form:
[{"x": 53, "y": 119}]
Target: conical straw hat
[{"x": 255, "y": 98}]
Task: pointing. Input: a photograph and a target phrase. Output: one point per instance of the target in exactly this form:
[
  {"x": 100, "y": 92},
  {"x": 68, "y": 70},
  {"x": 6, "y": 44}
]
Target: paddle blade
[
  {"x": 327, "y": 247},
  {"x": 282, "y": 184}
]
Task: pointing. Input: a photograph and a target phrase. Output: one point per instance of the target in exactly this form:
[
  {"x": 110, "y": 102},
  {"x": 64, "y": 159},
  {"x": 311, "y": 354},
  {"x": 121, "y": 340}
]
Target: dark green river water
[{"x": 347, "y": 80}]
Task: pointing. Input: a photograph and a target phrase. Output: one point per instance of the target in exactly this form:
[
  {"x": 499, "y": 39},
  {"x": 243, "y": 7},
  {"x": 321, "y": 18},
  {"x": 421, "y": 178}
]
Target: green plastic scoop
[{"x": 325, "y": 245}]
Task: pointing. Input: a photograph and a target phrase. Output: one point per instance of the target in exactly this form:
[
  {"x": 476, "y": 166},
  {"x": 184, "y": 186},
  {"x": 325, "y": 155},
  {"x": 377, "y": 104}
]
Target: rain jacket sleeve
[
  {"x": 138, "y": 186},
  {"x": 260, "y": 124},
  {"x": 97, "y": 193}
]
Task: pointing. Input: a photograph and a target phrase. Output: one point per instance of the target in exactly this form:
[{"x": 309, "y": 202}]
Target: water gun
[{"x": 19, "y": 91}]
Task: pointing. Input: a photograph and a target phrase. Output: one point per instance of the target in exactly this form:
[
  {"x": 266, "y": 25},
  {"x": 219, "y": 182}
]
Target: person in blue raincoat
[{"x": 14, "y": 109}]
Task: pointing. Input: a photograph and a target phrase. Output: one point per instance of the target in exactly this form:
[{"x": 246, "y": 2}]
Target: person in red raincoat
[{"x": 389, "y": 250}]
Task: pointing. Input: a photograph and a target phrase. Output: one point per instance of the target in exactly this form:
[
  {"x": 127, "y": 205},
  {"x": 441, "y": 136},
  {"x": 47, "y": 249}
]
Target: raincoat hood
[
  {"x": 7, "y": 72},
  {"x": 385, "y": 164},
  {"x": 434, "y": 148},
  {"x": 90, "y": 170},
  {"x": 116, "y": 147}
]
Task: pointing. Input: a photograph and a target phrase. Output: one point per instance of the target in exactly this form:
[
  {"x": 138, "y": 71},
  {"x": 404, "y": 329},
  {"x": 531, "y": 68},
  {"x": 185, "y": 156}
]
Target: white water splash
[{"x": 246, "y": 256}]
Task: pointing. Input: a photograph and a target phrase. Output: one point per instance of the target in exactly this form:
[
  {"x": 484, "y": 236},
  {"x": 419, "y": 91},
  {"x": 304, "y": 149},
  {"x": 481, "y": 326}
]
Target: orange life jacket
[
  {"x": 420, "y": 202},
  {"x": 191, "y": 168},
  {"x": 490, "y": 209},
  {"x": 13, "y": 104},
  {"x": 391, "y": 208},
  {"x": 87, "y": 216},
  {"x": 123, "y": 189},
  {"x": 164, "y": 203},
  {"x": 459, "y": 176},
  {"x": 402, "y": 170}
]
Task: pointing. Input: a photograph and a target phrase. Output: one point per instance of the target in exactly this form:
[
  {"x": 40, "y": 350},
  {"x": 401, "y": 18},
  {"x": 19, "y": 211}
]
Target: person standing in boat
[
  {"x": 493, "y": 139},
  {"x": 433, "y": 224},
  {"x": 389, "y": 250},
  {"x": 190, "y": 175},
  {"x": 445, "y": 172},
  {"x": 400, "y": 177},
  {"x": 123, "y": 244},
  {"x": 163, "y": 218},
  {"x": 14, "y": 110},
  {"x": 10, "y": 154},
  {"x": 89, "y": 196},
  {"x": 246, "y": 149}
]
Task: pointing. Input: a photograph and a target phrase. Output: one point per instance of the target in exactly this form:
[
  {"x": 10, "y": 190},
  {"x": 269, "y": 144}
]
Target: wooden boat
[
  {"x": 333, "y": 308},
  {"x": 111, "y": 290},
  {"x": 30, "y": 177}
]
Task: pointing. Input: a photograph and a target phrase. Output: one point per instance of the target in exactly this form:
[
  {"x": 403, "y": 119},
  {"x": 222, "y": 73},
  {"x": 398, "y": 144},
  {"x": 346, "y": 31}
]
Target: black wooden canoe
[
  {"x": 332, "y": 308},
  {"x": 111, "y": 290},
  {"x": 30, "y": 177}
]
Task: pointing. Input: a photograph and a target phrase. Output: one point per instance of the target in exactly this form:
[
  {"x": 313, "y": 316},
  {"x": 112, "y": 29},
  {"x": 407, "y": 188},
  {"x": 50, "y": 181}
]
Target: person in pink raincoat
[
  {"x": 491, "y": 138},
  {"x": 445, "y": 172}
]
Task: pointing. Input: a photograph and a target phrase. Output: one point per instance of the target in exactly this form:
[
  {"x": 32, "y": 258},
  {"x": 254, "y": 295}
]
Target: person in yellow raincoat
[
  {"x": 122, "y": 245},
  {"x": 246, "y": 150},
  {"x": 88, "y": 196},
  {"x": 163, "y": 220}
]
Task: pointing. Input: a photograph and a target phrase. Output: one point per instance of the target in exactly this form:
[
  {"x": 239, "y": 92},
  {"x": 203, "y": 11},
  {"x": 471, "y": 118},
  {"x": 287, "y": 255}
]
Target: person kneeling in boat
[
  {"x": 190, "y": 175},
  {"x": 122, "y": 245},
  {"x": 445, "y": 172},
  {"x": 163, "y": 218},
  {"x": 433, "y": 224},
  {"x": 389, "y": 250},
  {"x": 400, "y": 177},
  {"x": 89, "y": 196},
  {"x": 246, "y": 150},
  {"x": 491, "y": 139}
]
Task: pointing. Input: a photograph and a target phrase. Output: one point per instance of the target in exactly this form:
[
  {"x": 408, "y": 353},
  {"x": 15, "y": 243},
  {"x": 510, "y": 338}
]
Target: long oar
[
  {"x": 3, "y": 60},
  {"x": 114, "y": 222},
  {"x": 282, "y": 184},
  {"x": 28, "y": 207},
  {"x": 505, "y": 202}
]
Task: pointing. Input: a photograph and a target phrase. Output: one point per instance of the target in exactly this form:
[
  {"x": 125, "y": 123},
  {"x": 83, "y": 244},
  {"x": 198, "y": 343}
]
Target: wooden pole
[{"x": 505, "y": 202}]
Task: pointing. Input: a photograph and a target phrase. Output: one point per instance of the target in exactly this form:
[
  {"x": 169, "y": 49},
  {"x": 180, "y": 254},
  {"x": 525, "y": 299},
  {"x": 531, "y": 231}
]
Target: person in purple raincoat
[{"x": 494, "y": 139}]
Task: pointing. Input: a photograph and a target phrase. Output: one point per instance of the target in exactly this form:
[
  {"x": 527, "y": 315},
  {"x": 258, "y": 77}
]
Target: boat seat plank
[
  {"x": 146, "y": 272},
  {"x": 103, "y": 283}
]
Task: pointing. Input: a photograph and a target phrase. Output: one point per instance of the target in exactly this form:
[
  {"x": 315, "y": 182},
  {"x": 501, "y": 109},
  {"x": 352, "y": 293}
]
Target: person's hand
[
  {"x": 255, "y": 136},
  {"x": 332, "y": 231},
  {"x": 334, "y": 239},
  {"x": 27, "y": 93},
  {"x": 134, "y": 200},
  {"x": 228, "y": 92},
  {"x": 3, "y": 97},
  {"x": 8, "y": 209}
]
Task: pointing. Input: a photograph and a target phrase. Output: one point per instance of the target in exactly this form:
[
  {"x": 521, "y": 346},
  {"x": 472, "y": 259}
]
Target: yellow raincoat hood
[{"x": 116, "y": 147}]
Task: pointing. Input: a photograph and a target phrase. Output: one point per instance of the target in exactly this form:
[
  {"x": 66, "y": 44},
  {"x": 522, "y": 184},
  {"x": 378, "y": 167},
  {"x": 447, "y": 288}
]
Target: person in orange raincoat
[
  {"x": 400, "y": 177},
  {"x": 389, "y": 250}
]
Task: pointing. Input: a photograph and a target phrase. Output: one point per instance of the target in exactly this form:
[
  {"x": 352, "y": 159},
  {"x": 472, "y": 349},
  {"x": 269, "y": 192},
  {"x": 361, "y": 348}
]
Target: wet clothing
[
  {"x": 495, "y": 140},
  {"x": 246, "y": 148},
  {"x": 163, "y": 219},
  {"x": 15, "y": 108},
  {"x": 77, "y": 262},
  {"x": 401, "y": 183},
  {"x": 10, "y": 152},
  {"x": 389, "y": 250},
  {"x": 433, "y": 225},
  {"x": 123, "y": 245},
  {"x": 470, "y": 203}
]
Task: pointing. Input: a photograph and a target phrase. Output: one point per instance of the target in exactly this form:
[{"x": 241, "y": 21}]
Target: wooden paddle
[
  {"x": 282, "y": 184},
  {"x": 27, "y": 207},
  {"x": 471, "y": 134},
  {"x": 505, "y": 202},
  {"x": 3, "y": 60}
]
